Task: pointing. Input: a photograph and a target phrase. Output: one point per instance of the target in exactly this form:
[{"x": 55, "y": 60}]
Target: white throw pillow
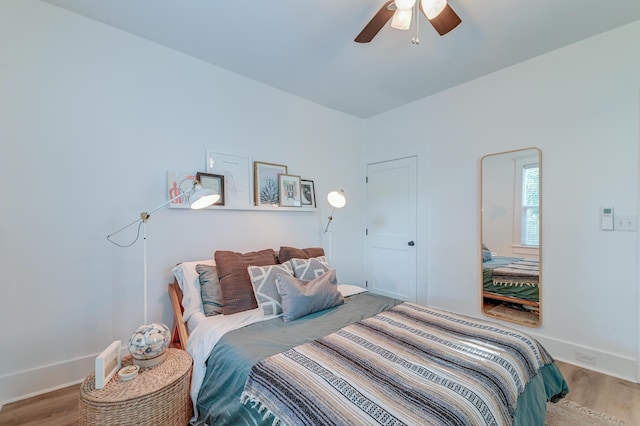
[{"x": 189, "y": 282}]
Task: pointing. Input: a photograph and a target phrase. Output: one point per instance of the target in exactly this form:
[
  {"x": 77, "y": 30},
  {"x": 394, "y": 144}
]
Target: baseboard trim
[
  {"x": 28, "y": 383},
  {"x": 606, "y": 362}
]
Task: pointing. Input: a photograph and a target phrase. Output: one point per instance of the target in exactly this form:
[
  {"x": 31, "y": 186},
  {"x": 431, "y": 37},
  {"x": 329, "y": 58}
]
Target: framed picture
[
  {"x": 265, "y": 185},
  {"x": 236, "y": 170},
  {"x": 307, "y": 193},
  {"x": 289, "y": 190},
  {"x": 107, "y": 363},
  {"x": 179, "y": 183},
  {"x": 214, "y": 182}
]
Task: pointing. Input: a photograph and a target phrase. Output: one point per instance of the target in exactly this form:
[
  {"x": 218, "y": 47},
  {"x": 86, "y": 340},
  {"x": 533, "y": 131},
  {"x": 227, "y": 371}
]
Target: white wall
[
  {"x": 91, "y": 119},
  {"x": 498, "y": 189},
  {"x": 580, "y": 106}
]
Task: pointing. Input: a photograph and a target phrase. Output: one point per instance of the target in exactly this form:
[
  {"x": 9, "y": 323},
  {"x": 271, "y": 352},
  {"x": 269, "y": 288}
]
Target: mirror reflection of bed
[{"x": 510, "y": 235}]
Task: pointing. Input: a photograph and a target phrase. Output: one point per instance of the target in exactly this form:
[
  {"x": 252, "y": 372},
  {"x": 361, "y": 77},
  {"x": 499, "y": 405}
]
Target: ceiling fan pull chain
[{"x": 416, "y": 39}]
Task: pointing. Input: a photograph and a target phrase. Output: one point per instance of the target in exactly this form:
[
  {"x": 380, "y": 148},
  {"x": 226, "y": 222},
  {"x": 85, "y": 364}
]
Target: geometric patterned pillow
[
  {"x": 263, "y": 280},
  {"x": 309, "y": 269},
  {"x": 210, "y": 290}
]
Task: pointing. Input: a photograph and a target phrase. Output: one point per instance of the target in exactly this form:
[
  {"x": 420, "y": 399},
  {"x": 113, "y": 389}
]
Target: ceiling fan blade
[
  {"x": 376, "y": 23},
  {"x": 445, "y": 21}
]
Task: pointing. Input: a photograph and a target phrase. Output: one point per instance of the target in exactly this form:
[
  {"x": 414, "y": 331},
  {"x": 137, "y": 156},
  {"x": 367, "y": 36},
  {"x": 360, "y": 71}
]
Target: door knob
[{"x": 411, "y": 243}]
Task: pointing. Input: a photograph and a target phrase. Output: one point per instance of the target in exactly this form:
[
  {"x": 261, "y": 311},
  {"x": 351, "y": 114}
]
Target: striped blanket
[
  {"x": 409, "y": 365},
  {"x": 522, "y": 272}
]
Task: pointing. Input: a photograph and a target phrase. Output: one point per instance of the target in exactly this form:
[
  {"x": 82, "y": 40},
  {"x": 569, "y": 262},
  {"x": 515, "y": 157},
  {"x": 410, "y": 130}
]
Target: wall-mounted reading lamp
[
  {"x": 337, "y": 201},
  {"x": 198, "y": 196}
]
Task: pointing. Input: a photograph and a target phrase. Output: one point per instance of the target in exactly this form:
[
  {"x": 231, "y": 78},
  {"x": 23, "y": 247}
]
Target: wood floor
[
  {"x": 594, "y": 390},
  {"x": 602, "y": 393}
]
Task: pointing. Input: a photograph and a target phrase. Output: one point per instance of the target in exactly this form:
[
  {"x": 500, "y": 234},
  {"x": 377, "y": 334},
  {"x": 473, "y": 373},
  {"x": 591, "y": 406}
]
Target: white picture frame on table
[
  {"x": 236, "y": 170},
  {"x": 107, "y": 363}
]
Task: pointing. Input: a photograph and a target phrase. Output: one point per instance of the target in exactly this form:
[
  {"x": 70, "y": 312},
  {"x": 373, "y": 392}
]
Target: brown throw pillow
[
  {"x": 287, "y": 253},
  {"x": 235, "y": 283}
]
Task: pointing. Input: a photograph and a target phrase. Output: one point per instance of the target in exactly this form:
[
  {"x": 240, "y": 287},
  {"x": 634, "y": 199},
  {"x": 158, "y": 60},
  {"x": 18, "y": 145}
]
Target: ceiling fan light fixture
[
  {"x": 433, "y": 8},
  {"x": 404, "y": 4},
  {"x": 401, "y": 19}
]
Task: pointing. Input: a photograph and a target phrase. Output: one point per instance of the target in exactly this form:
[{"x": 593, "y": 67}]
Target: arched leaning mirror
[{"x": 510, "y": 235}]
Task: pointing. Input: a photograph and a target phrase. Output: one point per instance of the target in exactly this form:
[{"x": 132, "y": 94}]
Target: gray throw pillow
[
  {"x": 263, "y": 280},
  {"x": 300, "y": 298},
  {"x": 486, "y": 253},
  {"x": 210, "y": 290},
  {"x": 309, "y": 269}
]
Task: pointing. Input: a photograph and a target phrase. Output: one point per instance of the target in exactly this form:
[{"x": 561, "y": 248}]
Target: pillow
[
  {"x": 189, "y": 281},
  {"x": 210, "y": 292},
  {"x": 300, "y": 298},
  {"x": 237, "y": 292},
  {"x": 263, "y": 280},
  {"x": 347, "y": 290},
  {"x": 309, "y": 269},
  {"x": 486, "y": 253},
  {"x": 287, "y": 253}
]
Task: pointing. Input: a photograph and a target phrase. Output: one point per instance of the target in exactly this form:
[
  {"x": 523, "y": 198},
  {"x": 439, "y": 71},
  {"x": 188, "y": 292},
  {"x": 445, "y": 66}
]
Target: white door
[{"x": 391, "y": 228}]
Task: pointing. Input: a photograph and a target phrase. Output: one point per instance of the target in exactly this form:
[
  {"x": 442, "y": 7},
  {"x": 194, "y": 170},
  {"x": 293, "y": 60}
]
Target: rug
[
  {"x": 568, "y": 413},
  {"x": 522, "y": 317}
]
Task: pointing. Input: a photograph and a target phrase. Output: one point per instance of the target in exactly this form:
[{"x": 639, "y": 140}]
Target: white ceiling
[{"x": 306, "y": 47}]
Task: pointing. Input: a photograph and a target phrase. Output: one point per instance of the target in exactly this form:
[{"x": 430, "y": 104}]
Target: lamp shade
[
  {"x": 433, "y": 8},
  {"x": 203, "y": 197},
  {"x": 337, "y": 199},
  {"x": 401, "y": 19},
  {"x": 404, "y": 4}
]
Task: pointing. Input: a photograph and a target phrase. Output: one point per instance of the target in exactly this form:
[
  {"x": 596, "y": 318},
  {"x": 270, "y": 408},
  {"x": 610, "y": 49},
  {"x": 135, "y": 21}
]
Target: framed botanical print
[
  {"x": 213, "y": 182},
  {"x": 307, "y": 193},
  {"x": 265, "y": 186},
  {"x": 289, "y": 186}
]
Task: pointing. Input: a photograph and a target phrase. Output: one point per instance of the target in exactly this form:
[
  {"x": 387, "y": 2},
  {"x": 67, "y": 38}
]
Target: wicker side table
[{"x": 157, "y": 396}]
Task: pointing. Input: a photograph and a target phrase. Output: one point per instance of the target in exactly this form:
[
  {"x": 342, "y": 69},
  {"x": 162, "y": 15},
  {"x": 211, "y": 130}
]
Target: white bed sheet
[
  {"x": 207, "y": 331},
  {"x": 194, "y": 321}
]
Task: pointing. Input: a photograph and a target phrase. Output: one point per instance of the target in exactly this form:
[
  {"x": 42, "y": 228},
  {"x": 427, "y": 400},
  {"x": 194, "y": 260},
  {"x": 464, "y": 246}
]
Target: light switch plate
[{"x": 626, "y": 223}]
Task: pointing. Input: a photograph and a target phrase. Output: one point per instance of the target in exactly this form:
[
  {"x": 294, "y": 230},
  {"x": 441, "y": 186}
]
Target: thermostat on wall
[{"x": 606, "y": 223}]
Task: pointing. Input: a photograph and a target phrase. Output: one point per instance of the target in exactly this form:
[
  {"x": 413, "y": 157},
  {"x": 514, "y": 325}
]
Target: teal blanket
[{"x": 219, "y": 401}]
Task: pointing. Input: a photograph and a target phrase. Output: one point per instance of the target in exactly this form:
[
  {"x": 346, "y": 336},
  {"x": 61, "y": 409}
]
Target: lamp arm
[
  {"x": 144, "y": 216},
  {"x": 330, "y": 219}
]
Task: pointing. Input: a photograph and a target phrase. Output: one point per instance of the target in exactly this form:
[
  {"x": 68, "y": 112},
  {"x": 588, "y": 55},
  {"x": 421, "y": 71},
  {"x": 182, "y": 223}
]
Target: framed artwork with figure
[{"x": 289, "y": 186}]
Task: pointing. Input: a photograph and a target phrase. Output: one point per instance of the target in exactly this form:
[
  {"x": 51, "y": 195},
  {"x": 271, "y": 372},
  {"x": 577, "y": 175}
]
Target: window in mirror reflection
[{"x": 528, "y": 214}]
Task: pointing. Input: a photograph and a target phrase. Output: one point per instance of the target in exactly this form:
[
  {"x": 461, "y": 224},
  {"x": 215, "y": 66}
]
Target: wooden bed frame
[
  {"x": 179, "y": 333},
  {"x": 502, "y": 298}
]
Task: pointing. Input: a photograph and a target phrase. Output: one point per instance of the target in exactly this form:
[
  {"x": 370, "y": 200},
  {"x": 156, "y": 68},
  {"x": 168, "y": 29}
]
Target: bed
[
  {"x": 512, "y": 279},
  {"x": 255, "y": 369}
]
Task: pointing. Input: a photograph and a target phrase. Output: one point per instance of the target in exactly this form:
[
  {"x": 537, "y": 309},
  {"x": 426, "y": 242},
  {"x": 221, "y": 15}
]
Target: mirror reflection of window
[{"x": 527, "y": 215}]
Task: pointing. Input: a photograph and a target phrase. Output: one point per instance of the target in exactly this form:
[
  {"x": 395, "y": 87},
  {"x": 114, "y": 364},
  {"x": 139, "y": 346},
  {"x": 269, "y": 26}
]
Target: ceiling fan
[{"x": 438, "y": 12}]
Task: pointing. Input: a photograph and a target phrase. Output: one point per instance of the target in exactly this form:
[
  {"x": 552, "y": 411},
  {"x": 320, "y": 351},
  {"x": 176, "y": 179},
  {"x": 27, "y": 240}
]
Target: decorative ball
[{"x": 149, "y": 341}]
